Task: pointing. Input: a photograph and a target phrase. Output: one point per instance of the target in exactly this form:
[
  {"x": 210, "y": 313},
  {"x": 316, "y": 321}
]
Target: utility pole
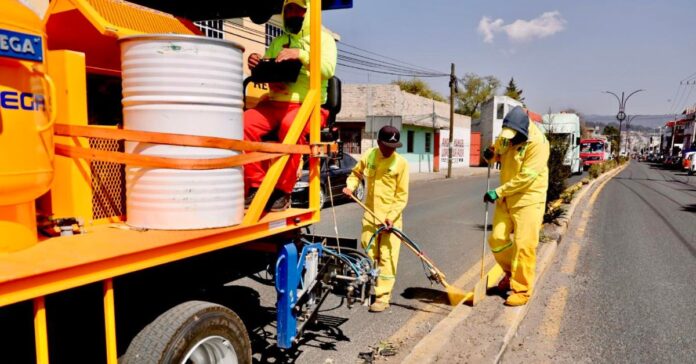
[
  {"x": 453, "y": 85},
  {"x": 436, "y": 143}
]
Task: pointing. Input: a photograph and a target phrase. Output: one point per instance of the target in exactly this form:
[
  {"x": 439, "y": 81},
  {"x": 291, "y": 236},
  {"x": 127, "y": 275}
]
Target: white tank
[{"x": 183, "y": 85}]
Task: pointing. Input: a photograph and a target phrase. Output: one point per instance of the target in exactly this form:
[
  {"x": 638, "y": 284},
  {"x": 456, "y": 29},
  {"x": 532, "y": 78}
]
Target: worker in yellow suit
[
  {"x": 386, "y": 179},
  {"x": 523, "y": 152}
]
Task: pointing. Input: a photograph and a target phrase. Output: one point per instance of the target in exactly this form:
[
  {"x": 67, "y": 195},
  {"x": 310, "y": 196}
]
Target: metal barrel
[{"x": 182, "y": 85}]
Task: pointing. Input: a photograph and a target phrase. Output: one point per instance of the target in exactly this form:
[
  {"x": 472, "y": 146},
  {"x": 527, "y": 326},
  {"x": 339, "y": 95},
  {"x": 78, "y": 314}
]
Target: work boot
[
  {"x": 504, "y": 284},
  {"x": 517, "y": 299},
  {"x": 379, "y": 306},
  {"x": 279, "y": 201},
  {"x": 250, "y": 197}
]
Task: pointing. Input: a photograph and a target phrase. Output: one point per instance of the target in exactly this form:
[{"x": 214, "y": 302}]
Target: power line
[
  {"x": 387, "y": 73},
  {"x": 389, "y": 63},
  {"x": 361, "y": 62},
  {"x": 387, "y": 57}
]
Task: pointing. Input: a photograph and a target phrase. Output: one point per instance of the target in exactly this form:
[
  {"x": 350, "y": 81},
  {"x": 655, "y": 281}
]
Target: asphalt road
[
  {"x": 622, "y": 287},
  {"x": 576, "y": 178},
  {"x": 445, "y": 217}
]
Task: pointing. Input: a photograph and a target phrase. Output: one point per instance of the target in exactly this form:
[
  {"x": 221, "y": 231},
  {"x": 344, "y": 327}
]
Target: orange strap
[
  {"x": 161, "y": 162},
  {"x": 178, "y": 139}
]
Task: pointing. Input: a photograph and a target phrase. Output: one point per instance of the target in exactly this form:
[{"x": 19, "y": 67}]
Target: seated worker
[{"x": 276, "y": 114}]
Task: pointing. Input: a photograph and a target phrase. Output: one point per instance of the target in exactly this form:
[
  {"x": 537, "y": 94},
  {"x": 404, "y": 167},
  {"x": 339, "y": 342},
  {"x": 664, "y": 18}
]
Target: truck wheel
[
  {"x": 322, "y": 197},
  {"x": 193, "y": 332}
]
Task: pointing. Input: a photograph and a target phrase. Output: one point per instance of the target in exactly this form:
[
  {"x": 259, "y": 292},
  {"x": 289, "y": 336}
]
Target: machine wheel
[
  {"x": 322, "y": 197},
  {"x": 193, "y": 332},
  {"x": 360, "y": 191}
]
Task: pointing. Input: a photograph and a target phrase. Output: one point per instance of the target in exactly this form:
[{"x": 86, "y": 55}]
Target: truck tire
[{"x": 193, "y": 332}]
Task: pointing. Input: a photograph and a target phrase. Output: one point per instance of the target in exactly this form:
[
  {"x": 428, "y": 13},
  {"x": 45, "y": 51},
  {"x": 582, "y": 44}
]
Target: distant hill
[{"x": 641, "y": 122}]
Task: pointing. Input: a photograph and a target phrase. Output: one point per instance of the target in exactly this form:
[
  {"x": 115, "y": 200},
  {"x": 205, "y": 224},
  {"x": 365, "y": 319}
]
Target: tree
[
  {"x": 418, "y": 87},
  {"x": 612, "y": 134},
  {"x": 477, "y": 90},
  {"x": 513, "y": 92}
]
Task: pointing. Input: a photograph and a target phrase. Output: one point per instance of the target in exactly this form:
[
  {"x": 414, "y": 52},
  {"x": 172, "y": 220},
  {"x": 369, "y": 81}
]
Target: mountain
[{"x": 642, "y": 122}]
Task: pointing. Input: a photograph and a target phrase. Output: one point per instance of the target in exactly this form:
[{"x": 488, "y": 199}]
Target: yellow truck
[{"x": 121, "y": 196}]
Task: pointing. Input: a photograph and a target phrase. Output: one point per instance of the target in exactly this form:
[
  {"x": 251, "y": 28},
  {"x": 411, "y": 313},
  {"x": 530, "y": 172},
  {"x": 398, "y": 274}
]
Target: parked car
[
  {"x": 338, "y": 170},
  {"x": 686, "y": 162},
  {"x": 692, "y": 164}
]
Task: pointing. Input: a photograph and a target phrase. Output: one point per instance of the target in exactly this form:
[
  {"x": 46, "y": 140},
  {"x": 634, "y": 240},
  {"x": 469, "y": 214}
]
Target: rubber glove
[{"x": 490, "y": 196}]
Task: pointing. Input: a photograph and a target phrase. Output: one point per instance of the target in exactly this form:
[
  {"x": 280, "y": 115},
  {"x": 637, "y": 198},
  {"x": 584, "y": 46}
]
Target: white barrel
[{"x": 183, "y": 85}]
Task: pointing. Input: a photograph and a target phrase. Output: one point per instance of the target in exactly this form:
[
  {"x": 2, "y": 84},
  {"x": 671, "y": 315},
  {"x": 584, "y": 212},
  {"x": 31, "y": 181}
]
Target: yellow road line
[
  {"x": 555, "y": 309},
  {"x": 553, "y": 314},
  {"x": 423, "y": 315},
  {"x": 571, "y": 259}
]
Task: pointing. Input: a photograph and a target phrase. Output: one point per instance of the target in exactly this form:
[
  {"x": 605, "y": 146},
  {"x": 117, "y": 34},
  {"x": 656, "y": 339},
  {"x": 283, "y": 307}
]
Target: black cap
[{"x": 389, "y": 136}]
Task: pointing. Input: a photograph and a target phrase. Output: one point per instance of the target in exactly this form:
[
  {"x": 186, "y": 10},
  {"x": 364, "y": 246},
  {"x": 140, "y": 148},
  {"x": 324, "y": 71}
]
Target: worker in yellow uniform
[
  {"x": 385, "y": 173},
  {"x": 523, "y": 152}
]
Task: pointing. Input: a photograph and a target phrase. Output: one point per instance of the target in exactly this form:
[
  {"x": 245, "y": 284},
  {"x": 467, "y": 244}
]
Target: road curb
[{"x": 428, "y": 348}]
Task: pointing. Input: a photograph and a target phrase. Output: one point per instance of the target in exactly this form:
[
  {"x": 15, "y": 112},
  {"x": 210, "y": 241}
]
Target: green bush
[
  {"x": 558, "y": 173},
  {"x": 595, "y": 170}
]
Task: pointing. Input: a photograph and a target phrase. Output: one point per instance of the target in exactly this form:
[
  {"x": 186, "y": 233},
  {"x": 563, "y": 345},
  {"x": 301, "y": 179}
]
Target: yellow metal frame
[{"x": 105, "y": 252}]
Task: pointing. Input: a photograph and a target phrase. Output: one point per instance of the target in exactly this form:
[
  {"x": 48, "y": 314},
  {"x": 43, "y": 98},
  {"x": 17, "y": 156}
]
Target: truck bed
[{"x": 111, "y": 250}]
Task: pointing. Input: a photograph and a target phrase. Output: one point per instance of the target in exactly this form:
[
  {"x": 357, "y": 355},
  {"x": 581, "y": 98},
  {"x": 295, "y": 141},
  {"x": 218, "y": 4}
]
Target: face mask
[
  {"x": 519, "y": 138},
  {"x": 294, "y": 24}
]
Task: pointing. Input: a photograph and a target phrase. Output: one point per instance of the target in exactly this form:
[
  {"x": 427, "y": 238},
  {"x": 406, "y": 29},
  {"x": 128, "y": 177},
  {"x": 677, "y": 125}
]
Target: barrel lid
[{"x": 182, "y": 37}]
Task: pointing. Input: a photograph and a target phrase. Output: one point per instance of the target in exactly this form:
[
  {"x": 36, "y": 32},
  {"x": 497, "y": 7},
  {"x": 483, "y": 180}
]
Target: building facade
[
  {"x": 368, "y": 107},
  {"x": 490, "y": 123}
]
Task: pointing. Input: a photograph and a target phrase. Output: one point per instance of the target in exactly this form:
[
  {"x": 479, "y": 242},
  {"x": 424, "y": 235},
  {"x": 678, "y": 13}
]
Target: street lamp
[
  {"x": 621, "y": 115},
  {"x": 628, "y": 134}
]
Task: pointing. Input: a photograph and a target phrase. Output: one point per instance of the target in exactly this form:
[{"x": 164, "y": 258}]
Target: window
[
  {"x": 272, "y": 31},
  {"x": 427, "y": 142},
  {"x": 500, "y": 111},
  {"x": 210, "y": 28},
  {"x": 409, "y": 141}
]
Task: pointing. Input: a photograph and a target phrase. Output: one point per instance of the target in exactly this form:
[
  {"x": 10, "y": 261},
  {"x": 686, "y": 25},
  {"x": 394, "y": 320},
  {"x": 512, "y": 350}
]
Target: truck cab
[{"x": 568, "y": 125}]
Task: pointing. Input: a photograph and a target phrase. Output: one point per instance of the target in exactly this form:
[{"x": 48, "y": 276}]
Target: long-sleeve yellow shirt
[
  {"x": 524, "y": 172},
  {"x": 386, "y": 182}
]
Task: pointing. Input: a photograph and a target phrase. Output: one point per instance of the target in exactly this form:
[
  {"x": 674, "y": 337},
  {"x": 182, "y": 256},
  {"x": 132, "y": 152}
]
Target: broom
[{"x": 454, "y": 294}]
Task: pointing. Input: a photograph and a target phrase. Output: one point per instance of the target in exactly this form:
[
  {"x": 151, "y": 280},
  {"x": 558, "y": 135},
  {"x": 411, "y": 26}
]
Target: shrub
[
  {"x": 595, "y": 170},
  {"x": 558, "y": 173}
]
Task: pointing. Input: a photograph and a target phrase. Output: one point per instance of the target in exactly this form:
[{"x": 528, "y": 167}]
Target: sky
[{"x": 562, "y": 53}]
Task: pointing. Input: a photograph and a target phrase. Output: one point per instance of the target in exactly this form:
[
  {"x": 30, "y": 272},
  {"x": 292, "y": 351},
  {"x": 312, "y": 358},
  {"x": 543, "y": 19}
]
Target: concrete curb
[{"x": 427, "y": 349}]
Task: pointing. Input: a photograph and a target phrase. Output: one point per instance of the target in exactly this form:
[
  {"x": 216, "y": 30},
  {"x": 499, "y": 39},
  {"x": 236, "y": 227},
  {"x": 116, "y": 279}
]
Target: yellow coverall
[
  {"x": 519, "y": 209},
  {"x": 386, "y": 182}
]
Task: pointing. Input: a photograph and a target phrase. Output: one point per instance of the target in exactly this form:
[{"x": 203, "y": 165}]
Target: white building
[{"x": 491, "y": 121}]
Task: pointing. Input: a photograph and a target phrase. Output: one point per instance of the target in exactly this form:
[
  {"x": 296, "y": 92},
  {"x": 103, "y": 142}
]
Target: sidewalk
[{"x": 456, "y": 173}]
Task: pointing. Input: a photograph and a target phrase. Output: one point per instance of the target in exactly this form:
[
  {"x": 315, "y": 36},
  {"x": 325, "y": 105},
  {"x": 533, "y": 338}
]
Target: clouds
[{"x": 545, "y": 25}]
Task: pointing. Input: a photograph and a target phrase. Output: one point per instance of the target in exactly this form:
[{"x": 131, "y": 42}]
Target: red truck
[{"x": 594, "y": 151}]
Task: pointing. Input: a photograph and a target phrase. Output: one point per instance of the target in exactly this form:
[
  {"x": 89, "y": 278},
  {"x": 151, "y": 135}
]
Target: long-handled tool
[
  {"x": 482, "y": 284},
  {"x": 454, "y": 294}
]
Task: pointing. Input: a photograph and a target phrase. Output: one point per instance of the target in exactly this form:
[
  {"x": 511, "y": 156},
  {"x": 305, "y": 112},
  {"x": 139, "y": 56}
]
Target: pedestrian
[
  {"x": 523, "y": 151},
  {"x": 385, "y": 174},
  {"x": 275, "y": 116}
]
